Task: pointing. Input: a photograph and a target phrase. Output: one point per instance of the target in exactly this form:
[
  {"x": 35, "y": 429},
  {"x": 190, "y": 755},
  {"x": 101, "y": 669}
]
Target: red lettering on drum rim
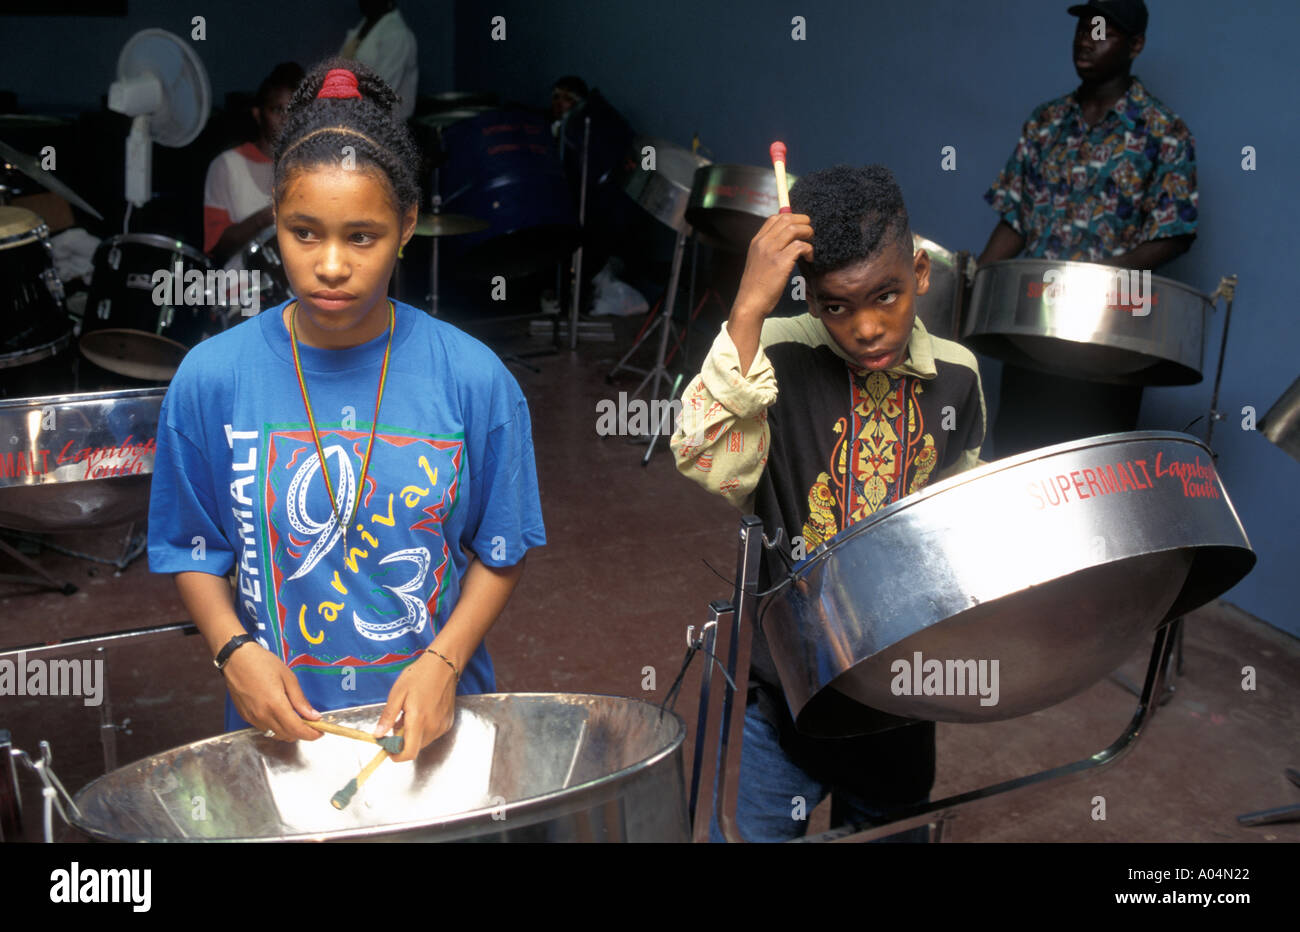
[
  {"x": 1093, "y": 482},
  {"x": 98, "y": 458},
  {"x": 1198, "y": 480}
]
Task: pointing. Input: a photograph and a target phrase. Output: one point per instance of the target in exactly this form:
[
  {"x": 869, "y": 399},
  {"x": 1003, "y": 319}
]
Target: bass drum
[
  {"x": 34, "y": 324},
  {"x": 151, "y": 299},
  {"x": 502, "y": 167},
  {"x": 270, "y": 285}
]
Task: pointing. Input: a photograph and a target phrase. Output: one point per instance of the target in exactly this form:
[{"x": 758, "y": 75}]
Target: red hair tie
[{"x": 339, "y": 84}]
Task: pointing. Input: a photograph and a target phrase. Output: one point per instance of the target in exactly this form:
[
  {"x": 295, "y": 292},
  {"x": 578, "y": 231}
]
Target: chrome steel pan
[
  {"x": 77, "y": 460},
  {"x": 940, "y": 307},
  {"x": 1078, "y": 320},
  {"x": 1056, "y": 564},
  {"x": 730, "y": 202},
  {"x": 515, "y": 767},
  {"x": 1282, "y": 423},
  {"x": 664, "y": 191}
]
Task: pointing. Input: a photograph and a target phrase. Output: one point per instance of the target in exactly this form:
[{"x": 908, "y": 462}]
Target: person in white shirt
[
  {"x": 383, "y": 41},
  {"x": 237, "y": 192}
]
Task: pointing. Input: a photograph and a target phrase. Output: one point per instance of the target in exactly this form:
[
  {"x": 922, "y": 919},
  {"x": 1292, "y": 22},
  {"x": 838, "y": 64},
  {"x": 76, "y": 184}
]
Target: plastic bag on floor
[{"x": 614, "y": 298}]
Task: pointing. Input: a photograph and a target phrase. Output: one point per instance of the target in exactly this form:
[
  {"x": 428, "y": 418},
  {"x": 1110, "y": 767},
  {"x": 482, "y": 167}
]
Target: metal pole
[
  {"x": 1227, "y": 288},
  {"x": 582, "y": 221}
]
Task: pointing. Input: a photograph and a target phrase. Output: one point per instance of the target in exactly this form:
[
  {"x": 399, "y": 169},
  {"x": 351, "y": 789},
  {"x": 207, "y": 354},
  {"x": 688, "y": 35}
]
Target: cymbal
[
  {"x": 431, "y": 224},
  {"x": 443, "y": 118},
  {"x": 11, "y": 121},
  {"x": 32, "y": 169}
]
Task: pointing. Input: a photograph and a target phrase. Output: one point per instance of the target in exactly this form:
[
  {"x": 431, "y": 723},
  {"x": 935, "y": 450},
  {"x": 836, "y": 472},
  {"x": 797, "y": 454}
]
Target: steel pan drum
[
  {"x": 77, "y": 460},
  {"x": 1282, "y": 423},
  {"x": 1089, "y": 324},
  {"x": 730, "y": 202},
  {"x": 1055, "y": 564},
  {"x": 515, "y": 767},
  {"x": 940, "y": 307},
  {"x": 502, "y": 167},
  {"x": 665, "y": 191}
]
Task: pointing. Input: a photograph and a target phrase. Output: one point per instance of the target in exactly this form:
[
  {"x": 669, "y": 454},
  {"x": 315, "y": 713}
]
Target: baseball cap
[{"x": 1130, "y": 16}]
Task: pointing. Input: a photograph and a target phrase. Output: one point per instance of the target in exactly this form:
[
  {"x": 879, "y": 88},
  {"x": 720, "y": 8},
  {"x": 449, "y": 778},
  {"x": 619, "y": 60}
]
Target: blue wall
[
  {"x": 63, "y": 64},
  {"x": 889, "y": 82},
  {"x": 895, "y": 82}
]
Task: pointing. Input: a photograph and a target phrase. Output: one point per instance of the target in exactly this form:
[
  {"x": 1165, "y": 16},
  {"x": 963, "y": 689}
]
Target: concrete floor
[{"x": 612, "y": 593}]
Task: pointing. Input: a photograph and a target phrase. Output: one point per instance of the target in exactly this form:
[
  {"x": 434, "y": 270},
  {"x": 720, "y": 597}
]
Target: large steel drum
[
  {"x": 1281, "y": 424},
  {"x": 515, "y": 767},
  {"x": 77, "y": 460},
  {"x": 729, "y": 203},
  {"x": 502, "y": 167},
  {"x": 1054, "y": 565},
  {"x": 940, "y": 307},
  {"x": 665, "y": 190},
  {"x": 1087, "y": 321}
]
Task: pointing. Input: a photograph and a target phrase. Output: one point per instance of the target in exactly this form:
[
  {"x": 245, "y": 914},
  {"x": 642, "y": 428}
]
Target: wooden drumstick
[
  {"x": 777, "y": 151},
  {"x": 344, "y": 796},
  {"x": 392, "y": 743}
]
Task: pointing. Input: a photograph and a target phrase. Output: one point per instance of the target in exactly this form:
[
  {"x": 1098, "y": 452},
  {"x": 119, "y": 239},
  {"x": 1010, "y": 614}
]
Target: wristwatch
[{"x": 223, "y": 655}]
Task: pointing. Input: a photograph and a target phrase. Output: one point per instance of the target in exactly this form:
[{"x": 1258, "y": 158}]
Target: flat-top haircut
[
  {"x": 316, "y": 131},
  {"x": 856, "y": 212}
]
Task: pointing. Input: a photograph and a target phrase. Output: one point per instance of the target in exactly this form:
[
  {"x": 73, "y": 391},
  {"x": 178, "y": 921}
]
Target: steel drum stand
[
  {"x": 1227, "y": 290},
  {"x": 727, "y": 635},
  {"x": 42, "y": 578},
  {"x": 96, "y": 645}
]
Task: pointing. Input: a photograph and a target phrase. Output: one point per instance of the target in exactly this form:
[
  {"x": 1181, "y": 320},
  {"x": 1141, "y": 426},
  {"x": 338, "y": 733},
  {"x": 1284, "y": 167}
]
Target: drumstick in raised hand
[
  {"x": 777, "y": 151},
  {"x": 391, "y": 743}
]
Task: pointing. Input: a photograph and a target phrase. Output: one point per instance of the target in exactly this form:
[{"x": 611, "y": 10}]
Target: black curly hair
[
  {"x": 856, "y": 212},
  {"x": 316, "y": 130}
]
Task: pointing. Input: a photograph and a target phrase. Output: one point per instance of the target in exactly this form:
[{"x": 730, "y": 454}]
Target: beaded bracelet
[{"x": 430, "y": 650}]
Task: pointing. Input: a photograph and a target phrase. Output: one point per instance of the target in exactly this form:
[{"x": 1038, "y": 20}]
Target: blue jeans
[{"x": 776, "y": 796}]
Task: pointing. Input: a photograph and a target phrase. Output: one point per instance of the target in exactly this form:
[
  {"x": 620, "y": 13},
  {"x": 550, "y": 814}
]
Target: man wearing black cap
[{"x": 1105, "y": 174}]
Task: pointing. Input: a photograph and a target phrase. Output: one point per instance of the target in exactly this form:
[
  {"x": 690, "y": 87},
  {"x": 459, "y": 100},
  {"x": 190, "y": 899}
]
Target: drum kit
[{"x": 83, "y": 384}]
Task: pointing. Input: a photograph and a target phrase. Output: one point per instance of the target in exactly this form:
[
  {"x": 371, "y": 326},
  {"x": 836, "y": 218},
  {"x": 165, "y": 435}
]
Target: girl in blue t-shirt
[{"x": 365, "y": 469}]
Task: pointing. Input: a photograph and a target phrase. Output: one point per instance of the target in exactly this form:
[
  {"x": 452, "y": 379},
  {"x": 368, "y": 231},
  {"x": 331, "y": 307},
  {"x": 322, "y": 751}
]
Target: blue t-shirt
[{"x": 237, "y": 483}]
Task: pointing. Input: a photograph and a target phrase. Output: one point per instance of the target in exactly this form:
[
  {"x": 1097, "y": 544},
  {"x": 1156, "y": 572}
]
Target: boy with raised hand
[{"x": 813, "y": 423}]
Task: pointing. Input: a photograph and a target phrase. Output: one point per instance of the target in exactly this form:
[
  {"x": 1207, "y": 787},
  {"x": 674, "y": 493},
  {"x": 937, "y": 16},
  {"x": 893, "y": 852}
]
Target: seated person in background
[
  {"x": 1105, "y": 174},
  {"x": 870, "y": 408},
  {"x": 237, "y": 193},
  {"x": 567, "y": 93}
]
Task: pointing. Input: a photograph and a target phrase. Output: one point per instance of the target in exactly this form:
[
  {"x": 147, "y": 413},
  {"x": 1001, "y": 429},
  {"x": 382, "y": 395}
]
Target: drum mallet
[
  {"x": 344, "y": 796},
  {"x": 392, "y": 743},
  {"x": 777, "y": 151}
]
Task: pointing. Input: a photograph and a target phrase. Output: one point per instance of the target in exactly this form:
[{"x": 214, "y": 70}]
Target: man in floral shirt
[{"x": 1105, "y": 174}]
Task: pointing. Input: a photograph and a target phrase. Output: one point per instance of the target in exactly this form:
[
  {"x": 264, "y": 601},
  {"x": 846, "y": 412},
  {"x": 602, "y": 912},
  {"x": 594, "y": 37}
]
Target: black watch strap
[{"x": 238, "y": 641}]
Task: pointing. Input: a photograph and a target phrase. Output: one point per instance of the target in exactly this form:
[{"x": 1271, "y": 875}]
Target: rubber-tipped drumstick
[
  {"x": 344, "y": 796},
  {"x": 392, "y": 743},
  {"x": 777, "y": 151}
]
